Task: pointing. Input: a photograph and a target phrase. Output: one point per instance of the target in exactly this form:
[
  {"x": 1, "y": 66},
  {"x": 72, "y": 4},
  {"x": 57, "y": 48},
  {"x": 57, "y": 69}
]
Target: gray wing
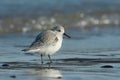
[
  {"x": 38, "y": 40},
  {"x": 44, "y": 39},
  {"x": 35, "y": 42}
]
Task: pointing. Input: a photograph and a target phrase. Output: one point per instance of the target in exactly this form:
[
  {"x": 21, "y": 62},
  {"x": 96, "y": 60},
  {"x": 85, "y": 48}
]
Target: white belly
[{"x": 51, "y": 49}]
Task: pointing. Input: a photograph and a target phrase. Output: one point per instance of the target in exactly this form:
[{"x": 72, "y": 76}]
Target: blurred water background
[{"x": 30, "y": 15}]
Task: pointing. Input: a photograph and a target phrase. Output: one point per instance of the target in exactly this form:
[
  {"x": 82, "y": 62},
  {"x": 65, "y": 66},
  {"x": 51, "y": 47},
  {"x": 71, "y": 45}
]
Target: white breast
[
  {"x": 54, "y": 48},
  {"x": 50, "y": 49}
]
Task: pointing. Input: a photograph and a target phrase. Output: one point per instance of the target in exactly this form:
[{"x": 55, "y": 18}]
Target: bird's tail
[{"x": 25, "y": 49}]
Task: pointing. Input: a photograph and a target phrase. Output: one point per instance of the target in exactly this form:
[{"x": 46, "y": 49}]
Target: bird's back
[{"x": 45, "y": 38}]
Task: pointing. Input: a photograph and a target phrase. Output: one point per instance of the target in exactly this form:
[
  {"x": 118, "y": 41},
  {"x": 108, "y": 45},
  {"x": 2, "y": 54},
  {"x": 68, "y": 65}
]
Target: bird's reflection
[{"x": 48, "y": 74}]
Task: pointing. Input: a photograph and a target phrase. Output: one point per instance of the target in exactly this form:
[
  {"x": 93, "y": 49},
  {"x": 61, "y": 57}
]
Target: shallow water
[{"x": 81, "y": 58}]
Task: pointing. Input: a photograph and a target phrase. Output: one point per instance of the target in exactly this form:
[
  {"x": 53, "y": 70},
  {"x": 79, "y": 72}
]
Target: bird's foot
[
  {"x": 49, "y": 62},
  {"x": 42, "y": 62}
]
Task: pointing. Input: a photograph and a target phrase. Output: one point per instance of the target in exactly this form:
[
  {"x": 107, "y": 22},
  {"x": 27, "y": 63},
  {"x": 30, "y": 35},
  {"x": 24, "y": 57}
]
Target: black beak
[{"x": 66, "y": 35}]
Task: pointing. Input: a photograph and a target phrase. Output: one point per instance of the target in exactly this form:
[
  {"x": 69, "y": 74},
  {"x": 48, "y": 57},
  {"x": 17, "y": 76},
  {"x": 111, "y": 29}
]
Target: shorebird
[{"x": 47, "y": 42}]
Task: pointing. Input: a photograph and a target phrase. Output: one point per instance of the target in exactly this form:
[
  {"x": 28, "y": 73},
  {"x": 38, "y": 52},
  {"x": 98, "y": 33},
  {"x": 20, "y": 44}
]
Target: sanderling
[{"x": 47, "y": 42}]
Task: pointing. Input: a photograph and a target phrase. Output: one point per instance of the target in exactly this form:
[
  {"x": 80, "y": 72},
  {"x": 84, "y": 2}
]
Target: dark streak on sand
[
  {"x": 67, "y": 61},
  {"x": 13, "y": 76},
  {"x": 98, "y": 60}
]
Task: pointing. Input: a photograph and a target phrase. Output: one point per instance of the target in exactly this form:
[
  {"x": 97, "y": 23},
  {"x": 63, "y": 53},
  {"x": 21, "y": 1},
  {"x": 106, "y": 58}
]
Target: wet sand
[{"x": 64, "y": 69}]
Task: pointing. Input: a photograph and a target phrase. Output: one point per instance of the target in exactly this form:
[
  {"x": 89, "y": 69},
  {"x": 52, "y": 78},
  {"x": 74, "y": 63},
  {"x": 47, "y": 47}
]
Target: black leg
[
  {"x": 41, "y": 59},
  {"x": 50, "y": 58}
]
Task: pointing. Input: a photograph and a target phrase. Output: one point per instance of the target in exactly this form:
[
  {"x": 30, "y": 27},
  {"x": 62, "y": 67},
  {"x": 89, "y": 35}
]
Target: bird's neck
[{"x": 60, "y": 36}]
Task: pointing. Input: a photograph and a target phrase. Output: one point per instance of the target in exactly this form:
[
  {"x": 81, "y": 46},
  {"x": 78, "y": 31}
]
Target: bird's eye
[{"x": 59, "y": 30}]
